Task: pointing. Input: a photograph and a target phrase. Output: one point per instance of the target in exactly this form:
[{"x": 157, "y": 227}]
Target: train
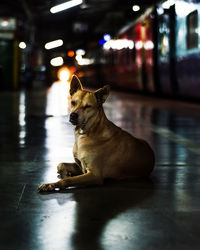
[{"x": 158, "y": 54}]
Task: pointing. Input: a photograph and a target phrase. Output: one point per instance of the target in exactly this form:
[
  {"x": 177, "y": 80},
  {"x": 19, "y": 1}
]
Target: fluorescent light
[
  {"x": 65, "y": 6},
  {"x": 136, "y": 7},
  {"x": 54, "y": 44},
  {"x": 57, "y": 61},
  {"x": 119, "y": 44},
  {"x": 22, "y": 45}
]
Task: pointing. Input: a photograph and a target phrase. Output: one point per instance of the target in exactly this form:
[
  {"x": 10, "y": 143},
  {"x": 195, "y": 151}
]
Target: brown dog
[{"x": 101, "y": 150}]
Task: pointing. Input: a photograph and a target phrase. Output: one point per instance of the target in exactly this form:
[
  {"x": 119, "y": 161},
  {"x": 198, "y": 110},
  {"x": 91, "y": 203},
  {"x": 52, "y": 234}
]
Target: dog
[{"x": 101, "y": 150}]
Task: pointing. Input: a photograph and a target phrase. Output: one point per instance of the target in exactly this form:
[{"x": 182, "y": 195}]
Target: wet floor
[{"x": 160, "y": 213}]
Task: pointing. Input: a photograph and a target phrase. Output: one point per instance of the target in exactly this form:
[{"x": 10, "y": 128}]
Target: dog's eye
[
  {"x": 87, "y": 106},
  {"x": 73, "y": 103}
]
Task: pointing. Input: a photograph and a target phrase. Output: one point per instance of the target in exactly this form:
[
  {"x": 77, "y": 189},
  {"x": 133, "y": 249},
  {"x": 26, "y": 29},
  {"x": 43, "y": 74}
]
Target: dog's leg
[
  {"x": 68, "y": 169},
  {"x": 80, "y": 180}
]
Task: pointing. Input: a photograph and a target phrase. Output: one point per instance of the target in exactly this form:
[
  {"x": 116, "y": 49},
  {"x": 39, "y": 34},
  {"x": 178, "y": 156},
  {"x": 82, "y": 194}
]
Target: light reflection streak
[
  {"x": 57, "y": 228},
  {"x": 118, "y": 230},
  {"x": 59, "y": 133},
  {"x": 21, "y": 118},
  {"x": 58, "y": 99}
]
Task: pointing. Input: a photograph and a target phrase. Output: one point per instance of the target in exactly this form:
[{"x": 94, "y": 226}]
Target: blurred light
[
  {"x": 43, "y": 68},
  {"x": 70, "y": 53},
  {"x": 167, "y": 4},
  {"x": 80, "y": 52},
  {"x": 118, "y": 44},
  {"x": 138, "y": 45},
  {"x": 57, "y": 61},
  {"x": 54, "y": 44},
  {"x": 160, "y": 11},
  {"x": 136, "y": 8},
  {"x": 5, "y": 23},
  {"x": 65, "y": 6},
  {"x": 197, "y": 30},
  {"x": 84, "y": 61},
  {"x": 149, "y": 45},
  {"x": 22, "y": 45},
  {"x": 72, "y": 69},
  {"x": 102, "y": 41},
  {"x": 107, "y": 37},
  {"x": 183, "y": 8},
  {"x": 64, "y": 74},
  {"x": 165, "y": 41}
]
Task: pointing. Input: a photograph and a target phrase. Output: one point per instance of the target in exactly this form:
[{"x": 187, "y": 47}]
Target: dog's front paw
[{"x": 46, "y": 187}]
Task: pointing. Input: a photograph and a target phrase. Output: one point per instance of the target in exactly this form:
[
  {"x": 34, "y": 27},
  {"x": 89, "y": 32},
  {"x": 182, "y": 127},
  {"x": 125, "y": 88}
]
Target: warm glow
[
  {"x": 64, "y": 74},
  {"x": 65, "y": 6},
  {"x": 54, "y": 44},
  {"x": 70, "y": 53},
  {"x": 57, "y": 61}
]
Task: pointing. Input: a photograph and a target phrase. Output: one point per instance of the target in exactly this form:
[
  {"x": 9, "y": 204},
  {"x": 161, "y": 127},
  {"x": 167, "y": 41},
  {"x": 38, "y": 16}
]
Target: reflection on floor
[{"x": 160, "y": 213}]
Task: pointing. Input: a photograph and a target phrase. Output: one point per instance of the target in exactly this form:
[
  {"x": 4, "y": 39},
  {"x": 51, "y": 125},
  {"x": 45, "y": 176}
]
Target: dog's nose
[{"x": 73, "y": 118}]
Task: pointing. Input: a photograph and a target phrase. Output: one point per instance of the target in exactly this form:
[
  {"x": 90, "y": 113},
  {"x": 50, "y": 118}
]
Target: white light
[
  {"x": 160, "y": 11},
  {"x": 65, "y": 6},
  {"x": 136, "y": 8},
  {"x": 57, "y": 61},
  {"x": 107, "y": 37},
  {"x": 183, "y": 8},
  {"x": 149, "y": 45},
  {"x": 84, "y": 61},
  {"x": 22, "y": 45},
  {"x": 54, "y": 44},
  {"x": 197, "y": 30},
  {"x": 138, "y": 45},
  {"x": 168, "y": 4},
  {"x": 80, "y": 52},
  {"x": 5, "y": 23},
  {"x": 64, "y": 74},
  {"x": 118, "y": 44}
]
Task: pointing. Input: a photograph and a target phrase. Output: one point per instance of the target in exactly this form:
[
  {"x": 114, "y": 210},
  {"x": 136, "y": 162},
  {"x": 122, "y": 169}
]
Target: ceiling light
[
  {"x": 136, "y": 8},
  {"x": 54, "y": 44},
  {"x": 65, "y": 6}
]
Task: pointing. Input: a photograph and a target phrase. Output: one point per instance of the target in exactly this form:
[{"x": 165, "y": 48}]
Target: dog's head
[{"x": 85, "y": 105}]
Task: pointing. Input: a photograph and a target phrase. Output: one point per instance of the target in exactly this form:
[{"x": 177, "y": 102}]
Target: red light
[{"x": 70, "y": 53}]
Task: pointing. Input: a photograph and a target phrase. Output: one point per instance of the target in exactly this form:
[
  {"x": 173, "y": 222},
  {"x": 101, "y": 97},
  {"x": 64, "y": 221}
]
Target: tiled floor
[{"x": 160, "y": 213}]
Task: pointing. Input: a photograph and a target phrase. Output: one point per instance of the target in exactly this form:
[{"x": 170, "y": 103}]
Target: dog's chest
[{"x": 85, "y": 151}]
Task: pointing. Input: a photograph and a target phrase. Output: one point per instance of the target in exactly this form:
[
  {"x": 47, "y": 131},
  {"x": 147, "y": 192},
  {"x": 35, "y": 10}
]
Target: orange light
[
  {"x": 70, "y": 53},
  {"x": 64, "y": 74}
]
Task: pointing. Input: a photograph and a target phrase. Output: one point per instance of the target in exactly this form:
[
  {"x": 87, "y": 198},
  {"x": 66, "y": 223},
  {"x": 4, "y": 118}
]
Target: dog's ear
[
  {"x": 102, "y": 94},
  {"x": 75, "y": 85}
]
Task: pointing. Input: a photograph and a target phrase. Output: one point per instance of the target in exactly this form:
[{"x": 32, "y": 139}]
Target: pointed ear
[
  {"x": 102, "y": 94},
  {"x": 75, "y": 85}
]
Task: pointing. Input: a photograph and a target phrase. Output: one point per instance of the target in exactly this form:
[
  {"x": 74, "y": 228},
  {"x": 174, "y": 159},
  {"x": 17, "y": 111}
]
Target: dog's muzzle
[{"x": 73, "y": 118}]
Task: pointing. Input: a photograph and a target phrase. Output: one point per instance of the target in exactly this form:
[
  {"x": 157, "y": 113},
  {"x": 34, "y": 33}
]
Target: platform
[{"x": 161, "y": 213}]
